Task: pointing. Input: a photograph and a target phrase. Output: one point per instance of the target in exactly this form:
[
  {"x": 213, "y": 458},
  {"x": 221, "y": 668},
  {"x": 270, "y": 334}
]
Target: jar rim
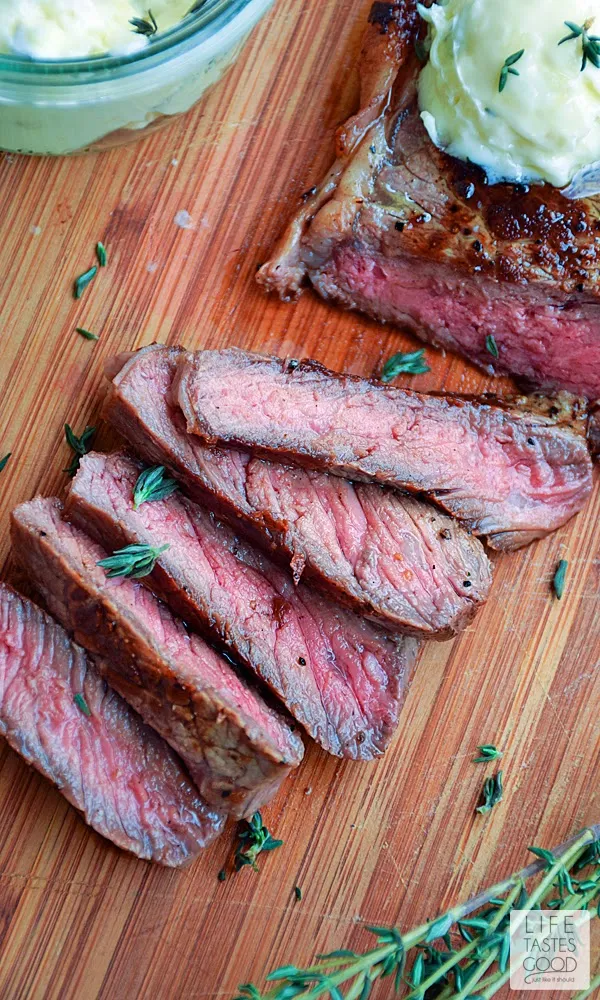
[{"x": 194, "y": 28}]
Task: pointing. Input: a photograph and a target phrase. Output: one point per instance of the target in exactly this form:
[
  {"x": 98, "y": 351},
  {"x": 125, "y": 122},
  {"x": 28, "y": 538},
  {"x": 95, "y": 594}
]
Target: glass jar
[{"x": 80, "y": 105}]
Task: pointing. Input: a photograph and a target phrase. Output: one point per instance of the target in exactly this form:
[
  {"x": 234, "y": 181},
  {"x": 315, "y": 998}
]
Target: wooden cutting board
[{"x": 388, "y": 842}]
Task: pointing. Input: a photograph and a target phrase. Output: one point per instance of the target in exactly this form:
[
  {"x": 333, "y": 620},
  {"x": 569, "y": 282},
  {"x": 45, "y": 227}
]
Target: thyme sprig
[
  {"x": 135, "y": 561},
  {"x": 79, "y": 445},
  {"x": 590, "y": 44},
  {"x": 405, "y": 362},
  {"x": 458, "y": 954},
  {"x": 492, "y": 793},
  {"x": 509, "y": 67},
  {"x": 153, "y": 484},
  {"x": 144, "y": 25},
  {"x": 253, "y": 840}
]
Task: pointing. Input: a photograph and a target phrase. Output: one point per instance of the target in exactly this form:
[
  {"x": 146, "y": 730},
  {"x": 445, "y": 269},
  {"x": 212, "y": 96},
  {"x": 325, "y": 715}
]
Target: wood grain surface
[{"x": 388, "y": 842}]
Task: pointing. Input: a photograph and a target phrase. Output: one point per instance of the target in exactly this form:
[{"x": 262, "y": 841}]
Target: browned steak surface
[
  {"x": 59, "y": 714},
  {"x": 237, "y": 749},
  {"x": 342, "y": 678},
  {"x": 511, "y": 473},
  {"x": 390, "y": 557},
  {"x": 412, "y": 236}
]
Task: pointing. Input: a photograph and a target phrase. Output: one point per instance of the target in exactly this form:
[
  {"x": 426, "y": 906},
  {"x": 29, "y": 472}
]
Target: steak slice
[
  {"x": 412, "y": 236},
  {"x": 511, "y": 473},
  {"x": 392, "y": 558},
  {"x": 342, "y": 678},
  {"x": 57, "y": 712},
  {"x": 237, "y": 749}
]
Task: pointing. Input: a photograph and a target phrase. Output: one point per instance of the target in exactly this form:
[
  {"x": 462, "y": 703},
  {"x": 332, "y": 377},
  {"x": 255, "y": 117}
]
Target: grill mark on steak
[
  {"x": 118, "y": 773},
  {"x": 410, "y": 235},
  {"x": 316, "y": 523},
  {"x": 237, "y": 749},
  {"x": 342, "y": 679},
  {"x": 508, "y": 473}
]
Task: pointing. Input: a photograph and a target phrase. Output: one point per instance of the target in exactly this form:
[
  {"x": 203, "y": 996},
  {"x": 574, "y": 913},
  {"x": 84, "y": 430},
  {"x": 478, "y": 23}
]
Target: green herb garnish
[
  {"x": 509, "y": 67},
  {"x": 254, "y": 839},
  {"x": 590, "y": 44},
  {"x": 135, "y": 561},
  {"x": 80, "y": 445},
  {"x": 487, "y": 752},
  {"x": 101, "y": 254},
  {"x": 86, "y": 333},
  {"x": 3, "y": 461},
  {"x": 82, "y": 704},
  {"x": 222, "y": 875},
  {"x": 558, "y": 582},
  {"x": 83, "y": 281},
  {"x": 409, "y": 363},
  {"x": 153, "y": 484},
  {"x": 298, "y": 892},
  {"x": 492, "y": 793},
  {"x": 491, "y": 345},
  {"x": 144, "y": 26}
]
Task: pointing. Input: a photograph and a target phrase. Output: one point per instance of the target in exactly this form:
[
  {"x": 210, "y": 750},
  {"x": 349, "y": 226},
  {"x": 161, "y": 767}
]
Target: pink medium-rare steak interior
[
  {"x": 511, "y": 474},
  {"x": 342, "y": 678},
  {"x": 238, "y": 750},
  {"x": 390, "y": 557},
  {"x": 125, "y": 780}
]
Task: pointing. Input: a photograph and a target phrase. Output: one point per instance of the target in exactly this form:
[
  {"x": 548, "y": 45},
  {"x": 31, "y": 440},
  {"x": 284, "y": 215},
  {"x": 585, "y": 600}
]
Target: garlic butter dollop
[
  {"x": 544, "y": 125},
  {"x": 69, "y": 29}
]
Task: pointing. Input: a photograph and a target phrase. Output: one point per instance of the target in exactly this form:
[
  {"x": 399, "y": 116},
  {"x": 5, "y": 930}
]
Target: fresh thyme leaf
[
  {"x": 487, "y": 752},
  {"x": 491, "y": 345},
  {"x": 492, "y": 794},
  {"x": 153, "y": 484},
  {"x": 101, "y": 254},
  {"x": 254, "y": 839},
  {"x": 222, "y": 875},
  {"x": 3, "y": 461},
  {"x": 409, "y": 363},
  {"x": 86, "y": 333},
  {"x": 298, "y": 892},
  {"x": 83, "y": 281},
  {"x": 144, "y": 25},
  {"x": 135, "y": 561},
  {"x": 590, "y": 44},
  {"x": 80, "y": 446},
  {"x": 508, "y": 67},
  {"x": 82, "y": 704},
  {"x": 558, "y": 582}
]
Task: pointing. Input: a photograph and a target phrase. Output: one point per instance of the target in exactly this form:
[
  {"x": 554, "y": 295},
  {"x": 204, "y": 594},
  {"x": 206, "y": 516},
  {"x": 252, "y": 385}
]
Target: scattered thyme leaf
[
  {"x": 79, "y": 445},
  {"x": 590, "y": 44},
  {"x": 82, "y": 704},
  {"x": 409, "y": 363},
  {"x": 83, "y": 281},
  {"x": 222, "y": 875},
  {"x": 135, "y": 561},
  {"x": 254, "y": 838},
  {"x": 487, "y": 752},
  {"x": 4, "y": 461},
  {"x": 153, "y": 484},
  {"x": 144, "y": 25},
  {"x": 298, "y": 892},
  {"x": 101, "y": 254},
  {"x": 491, "y": 345},
  {"x": 492, "y": 794},
  {"x": 509, "y": 67},
  {"x": 87, "y": 334},
  {"x": 558, "y": 581}
]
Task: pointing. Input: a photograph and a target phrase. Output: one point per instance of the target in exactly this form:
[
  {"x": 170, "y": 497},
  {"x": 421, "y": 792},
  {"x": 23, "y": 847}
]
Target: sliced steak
[
  {"x": 412, "y": 236},
  {"x": 238, "y": 750},
  {"x": 57, "y": 712},
  {"x": 342, "y": 678},
  {"x": 511, "y": 473},
  {"x": 390, "y": 557}
]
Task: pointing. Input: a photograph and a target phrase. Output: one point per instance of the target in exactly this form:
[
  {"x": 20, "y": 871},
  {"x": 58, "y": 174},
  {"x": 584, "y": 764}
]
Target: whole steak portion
[
  {"x": 237, "y": 749},
  {"x": 342, "y": 679},
  {"x": 411, "y": 236},
  {"x": 510, "y": 472},
  {"x": 57, "y": 712},
  {"x": 391, "y": 558}
]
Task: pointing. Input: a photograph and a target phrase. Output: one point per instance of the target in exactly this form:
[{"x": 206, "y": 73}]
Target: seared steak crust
[
  {"x": 340, "y": 677},
  {"x": 511, "y": 473},
  {"x": 412, "y": 236},
  {"x": 237, "y": 749},
  {"x": 57, "y": 712},
  {"x": 391, "y": 558}
]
